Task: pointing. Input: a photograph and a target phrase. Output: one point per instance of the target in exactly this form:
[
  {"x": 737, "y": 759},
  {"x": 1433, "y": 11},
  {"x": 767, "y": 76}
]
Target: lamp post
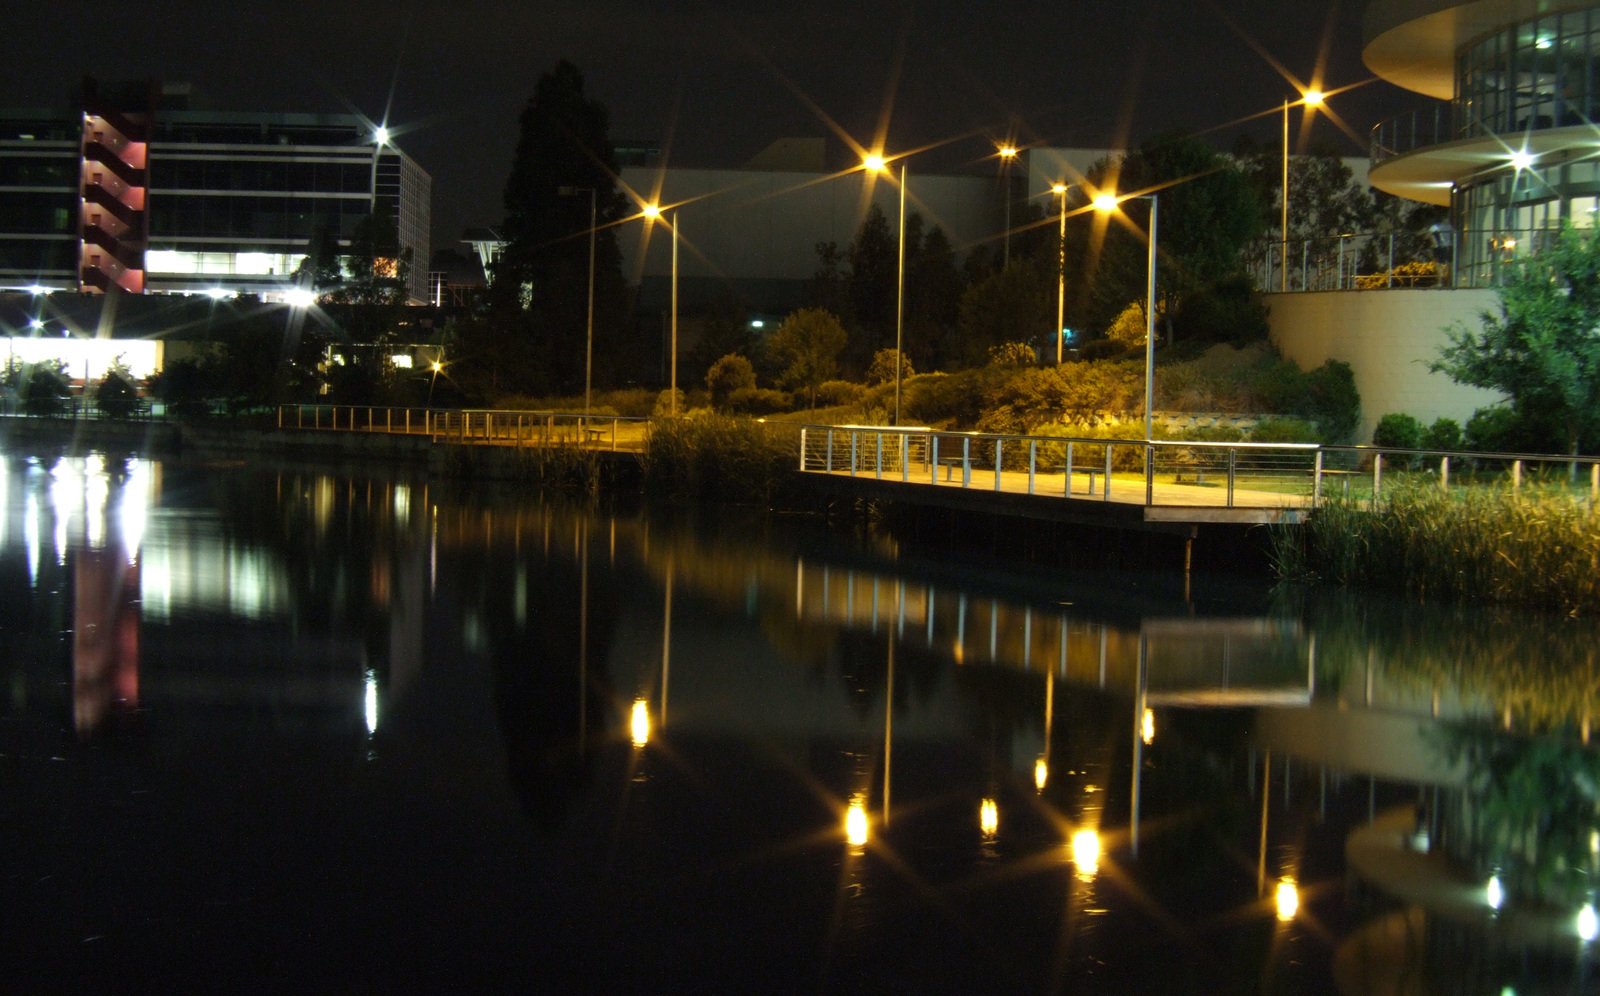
[
  {"x": 1008, "y": 155},
  {"x": 588, "y": 342},
  {"x": 876, "y": 164},
  {"x": 1311, "y": 98},
  {"x": 653, "y": 211},
  {"x": 380, "y": 138},
  {"x": 1107, "y": 203},
  {"x": 1060, "y": 190}
]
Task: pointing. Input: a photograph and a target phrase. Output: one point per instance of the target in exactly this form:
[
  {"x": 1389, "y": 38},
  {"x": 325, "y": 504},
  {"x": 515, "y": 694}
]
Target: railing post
[
  {"x": 1233, "y": 467},
  {"x": 997, "y": 463},
  {"x": 933, "y": 458},
  {"x": 1377, "y": 476},
  {"x": 877, "y": 462},
  {"x": 1149, "y": 473},
  {"x": 1316, "y": 478},
  {"x": 905, "y": 457},
  {"x": 1066, "y": 484},
  {"x": 829, "y": 452},
  {"x": 1033, "y": 459},
  {"x": 966, "y": 461},
  {"x": 1390, "y": 280},
  {"x": 1594, "y": 482},
  {"x": 280, "y": 416},
  {"x": 1105, "y": 485},
  {"x": 802, "y": 447},
  {"x": 1444, "y": 471},
  {"x": 1516, "y": 475},
  {"x": 853, "y": 435}
]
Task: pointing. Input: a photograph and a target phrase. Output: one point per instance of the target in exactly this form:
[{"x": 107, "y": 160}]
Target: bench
[
  {"x": 950, "y": 462},
  {"x": 593, "y": 435}
]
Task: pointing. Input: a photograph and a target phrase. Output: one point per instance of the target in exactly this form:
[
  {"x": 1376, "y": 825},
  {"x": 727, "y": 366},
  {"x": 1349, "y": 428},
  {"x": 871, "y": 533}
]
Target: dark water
[{"x": 287, "y": 731}]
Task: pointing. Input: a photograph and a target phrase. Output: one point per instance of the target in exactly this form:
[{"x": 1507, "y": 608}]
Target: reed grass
[
  {"x": 721, "y": 459},
  {"x": 1537, "y": 546}
]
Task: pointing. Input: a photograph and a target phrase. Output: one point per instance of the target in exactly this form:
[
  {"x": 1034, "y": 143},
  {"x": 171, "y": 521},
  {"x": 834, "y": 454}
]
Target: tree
[
  {"x": 1543, "y": 349},
  {"x": 539, "y": 289},
  {"x": 808, "y": 344},
  {"x": 871, "y": 286},
  {"x": 1208, "y": 216},
  {"x": 933, "y": 296},
  {"x": 116, "y": 394},
  {"x": 884, "y": 361},
  {"x": 729, "y": 374},
  {"x": 1007, "y": 307}
]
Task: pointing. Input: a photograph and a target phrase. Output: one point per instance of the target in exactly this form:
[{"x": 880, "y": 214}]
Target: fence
[
  {"x": 1162, "y": 472},
  {"x": 491, "y": 426}
]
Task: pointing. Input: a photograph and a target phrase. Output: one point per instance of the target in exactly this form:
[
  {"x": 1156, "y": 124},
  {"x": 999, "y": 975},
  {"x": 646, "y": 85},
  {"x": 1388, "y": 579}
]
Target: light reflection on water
[{"x": 1012, "y": 746}]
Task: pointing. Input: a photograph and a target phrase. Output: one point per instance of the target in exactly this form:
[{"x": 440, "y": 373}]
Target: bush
[
  {"x": 43, "y": 389},
  {"x": 730, "y": 374},
  {"x": 1228, "y": 311},
  {"x": 1107, "y": 349},
  {"x": 1397, "y": 430},
  {"x": 760, "y": 401},
  {"x": 1330, "y": 399},
  {"x": 1013, "y": 354},
  {"x": 881, "y": 370},
  {"x": 116, "y": 394},
  {"x": 1443, "y": 434},
  {"x": 1500, "y": 429},
  {"x": 1283, "y": 429},
  {"x": 717, "y": 458},
  {"x": 841, "y": 392}
]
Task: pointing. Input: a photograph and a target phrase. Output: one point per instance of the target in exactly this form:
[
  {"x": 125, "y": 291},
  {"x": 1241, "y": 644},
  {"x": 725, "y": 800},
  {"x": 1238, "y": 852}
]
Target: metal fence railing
[
  {"x": 490, "y": 426},
  {"x": 1167, "y": 472}
]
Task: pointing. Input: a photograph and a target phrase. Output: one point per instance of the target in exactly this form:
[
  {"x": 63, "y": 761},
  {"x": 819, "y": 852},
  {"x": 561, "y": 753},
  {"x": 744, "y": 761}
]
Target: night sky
[{"x": 715, "y": 81}]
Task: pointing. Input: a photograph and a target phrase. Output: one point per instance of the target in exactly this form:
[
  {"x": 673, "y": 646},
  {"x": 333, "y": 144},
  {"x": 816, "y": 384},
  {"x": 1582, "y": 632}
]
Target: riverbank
[{"x": 1534, "y": 546}]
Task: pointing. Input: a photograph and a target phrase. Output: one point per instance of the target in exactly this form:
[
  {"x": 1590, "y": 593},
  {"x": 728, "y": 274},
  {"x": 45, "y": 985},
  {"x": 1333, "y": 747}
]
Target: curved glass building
[{"x": 1511, "y": 146}]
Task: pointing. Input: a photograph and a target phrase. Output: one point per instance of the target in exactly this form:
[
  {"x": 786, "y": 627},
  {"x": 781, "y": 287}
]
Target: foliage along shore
[{"x": 1535, "y": 547}]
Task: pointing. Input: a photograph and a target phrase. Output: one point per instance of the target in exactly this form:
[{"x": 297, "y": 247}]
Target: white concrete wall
[
  {"x": 1388, "y": 337},
  {"x": 749, "y": 224}
]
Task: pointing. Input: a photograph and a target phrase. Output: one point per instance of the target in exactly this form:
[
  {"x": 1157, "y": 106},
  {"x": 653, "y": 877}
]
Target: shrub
[
  {"x": 1501, "y": 429},
  {"x": 116, "y": 394},
  {"x": 1397, "y": 430},
  {"x": 881, "y": 370},
  {"x": 1330, "y": 399},
  {"x": 43, "y": 389},
  {"x": 760, "y": 401},
  {"x": 1013, "y": 354},
  {"x": 718, "y": 458},
  {"x": 841, "y": 392},
  {"x": 1284, "y": 429},
  {"x": 1228, "y": 311},
  {"x": 1443, "y": 434},
  {"x": 729, "y": 374}
]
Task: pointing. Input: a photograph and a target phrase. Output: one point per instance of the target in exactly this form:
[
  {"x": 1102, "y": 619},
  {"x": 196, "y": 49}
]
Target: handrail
[{"x": 1169, "y": 473}]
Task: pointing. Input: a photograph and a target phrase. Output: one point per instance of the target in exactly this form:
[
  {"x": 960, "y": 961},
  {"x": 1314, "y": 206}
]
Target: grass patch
[
  {"x": 1537, "y": 547},
  {"x": 720, "y": 458}
]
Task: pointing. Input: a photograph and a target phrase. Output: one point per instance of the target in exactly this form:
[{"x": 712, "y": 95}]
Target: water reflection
[{"x": 986, "y": 742}]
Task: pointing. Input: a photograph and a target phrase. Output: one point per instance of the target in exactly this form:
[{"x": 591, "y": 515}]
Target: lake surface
[{"x": 292, "y": 731}]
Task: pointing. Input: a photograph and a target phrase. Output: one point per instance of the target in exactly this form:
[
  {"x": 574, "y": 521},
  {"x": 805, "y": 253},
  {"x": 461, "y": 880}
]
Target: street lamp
[
  {"x": 875, "y": 163},
  {"x": 1310, "y": 99},
  {"x": 1107, "y": 203},
  {"x": 653, "y": 212},
  {"x": 1060, "y": 190},
  {"x": 1008, "y": 155},
  {"x": 588, "y": 343},
  {"x": 380, "y": 138}
]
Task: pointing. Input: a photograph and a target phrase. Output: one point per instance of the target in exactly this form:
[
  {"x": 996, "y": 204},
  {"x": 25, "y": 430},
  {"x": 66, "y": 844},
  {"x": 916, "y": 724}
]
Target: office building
[{"x": 136, "y": 190}]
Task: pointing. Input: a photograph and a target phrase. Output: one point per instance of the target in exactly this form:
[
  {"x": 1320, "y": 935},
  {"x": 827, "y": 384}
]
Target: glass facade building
[
  {"x": 168, "y": 199},
  {"x": 1512, "y": 147}
]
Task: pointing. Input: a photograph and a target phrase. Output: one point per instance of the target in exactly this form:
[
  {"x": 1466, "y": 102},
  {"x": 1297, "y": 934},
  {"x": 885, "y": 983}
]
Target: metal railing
[
  {"x": 489, "y": 426},
  {"x": 1165, "y": 472},
  {"x": 1384, "y": 261}
]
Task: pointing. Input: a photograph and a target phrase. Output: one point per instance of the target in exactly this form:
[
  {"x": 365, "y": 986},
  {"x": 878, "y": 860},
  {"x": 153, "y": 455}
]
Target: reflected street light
[
  {"x": 1107, "y": 203},
  {"x": 654, "y": 212},
  {"x": 875, "y": 163},
  {"x": 588, "y": 345},
  {"x": 1310, "y": 99}
]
